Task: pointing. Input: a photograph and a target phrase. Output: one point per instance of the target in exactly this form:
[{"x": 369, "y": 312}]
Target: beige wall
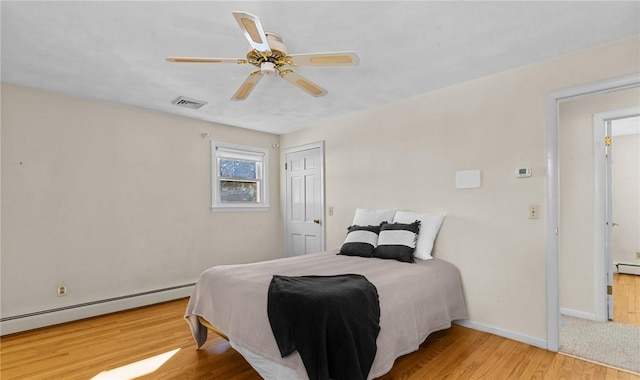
[
  {"x": 625, "y": 180},
  {"x": 405, "y": 156},
  {"x": 113, "y": 200},
  {"x": 577, "y": 197}
]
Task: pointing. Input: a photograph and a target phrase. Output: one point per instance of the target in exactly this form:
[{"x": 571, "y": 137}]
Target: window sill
[{"x": 261, "y": 208}]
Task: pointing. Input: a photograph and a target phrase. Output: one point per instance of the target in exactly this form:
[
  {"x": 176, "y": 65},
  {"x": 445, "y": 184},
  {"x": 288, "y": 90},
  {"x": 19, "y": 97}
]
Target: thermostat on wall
[{"x": 524, "y": 172}]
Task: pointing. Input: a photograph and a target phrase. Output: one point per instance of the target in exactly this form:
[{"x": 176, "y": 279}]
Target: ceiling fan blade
[
  {"x": 248, "y": 86},
  {"x": 338, "y": 58},
  {"x": 239, "y": 61},
  {"x": 253, "y": 31},
  {"x": 302, "y": 82}
]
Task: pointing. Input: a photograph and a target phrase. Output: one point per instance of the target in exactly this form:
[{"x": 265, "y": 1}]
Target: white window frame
[{"x": 222, "y": 149}]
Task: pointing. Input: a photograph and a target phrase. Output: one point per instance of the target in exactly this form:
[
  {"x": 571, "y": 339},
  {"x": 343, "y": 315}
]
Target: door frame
[
  {"x": 603, "y": 196},
  {"x": 552, "y": 102},
  {"x": 296, "y": 149}
]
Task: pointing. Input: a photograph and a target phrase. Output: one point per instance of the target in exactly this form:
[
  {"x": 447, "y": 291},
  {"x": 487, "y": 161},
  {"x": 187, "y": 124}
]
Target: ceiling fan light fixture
[
  {"x": 269, "y": 55},
  {"x": 268, "y": 69}
]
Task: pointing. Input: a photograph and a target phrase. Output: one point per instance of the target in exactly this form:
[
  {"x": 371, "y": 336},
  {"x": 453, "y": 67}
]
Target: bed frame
[{"x": 212, "y": 328}]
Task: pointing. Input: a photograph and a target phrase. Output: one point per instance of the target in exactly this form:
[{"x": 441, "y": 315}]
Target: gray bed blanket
[{"x": 415, "y": 300}]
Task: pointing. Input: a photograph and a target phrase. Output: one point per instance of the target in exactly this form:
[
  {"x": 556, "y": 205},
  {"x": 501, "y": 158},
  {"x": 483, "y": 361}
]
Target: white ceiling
[{"x": 115, "y": 51}]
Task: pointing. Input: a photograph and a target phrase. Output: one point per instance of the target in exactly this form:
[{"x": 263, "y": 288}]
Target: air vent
[{"x": 188, "y": 103}]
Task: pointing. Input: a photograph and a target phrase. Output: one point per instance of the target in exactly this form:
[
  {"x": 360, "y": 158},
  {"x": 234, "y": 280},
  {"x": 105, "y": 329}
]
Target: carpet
[{"x": 611, "y": 343}]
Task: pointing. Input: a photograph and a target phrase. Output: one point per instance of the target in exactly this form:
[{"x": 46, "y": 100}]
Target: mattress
[{"x": 415, "y": 300}]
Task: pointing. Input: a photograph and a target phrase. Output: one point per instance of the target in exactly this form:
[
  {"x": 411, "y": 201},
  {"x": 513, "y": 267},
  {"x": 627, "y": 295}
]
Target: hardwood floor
[
  {"x": 104, "y": 347},
  {"x": 626, "y": 299}
]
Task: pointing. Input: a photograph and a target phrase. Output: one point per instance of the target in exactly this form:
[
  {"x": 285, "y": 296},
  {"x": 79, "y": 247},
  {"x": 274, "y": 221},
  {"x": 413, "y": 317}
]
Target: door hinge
[
  {"x": 607, "y": 141},
  {"x": 609, "y": 290},
  {"x": 285, "y": 166},
  {"x": 556, "y": 231}
]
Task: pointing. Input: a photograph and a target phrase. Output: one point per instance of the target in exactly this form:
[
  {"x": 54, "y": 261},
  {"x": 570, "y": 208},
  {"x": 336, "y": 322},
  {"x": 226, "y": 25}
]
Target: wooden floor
[
  {"x": 105, "y": 347},
  {"x": 626, "y": 299}
]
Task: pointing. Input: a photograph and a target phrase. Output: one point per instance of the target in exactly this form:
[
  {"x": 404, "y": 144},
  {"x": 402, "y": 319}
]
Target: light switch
[
  {"x": 534, "y": 212},
  {"x": 330, "y": 210}
]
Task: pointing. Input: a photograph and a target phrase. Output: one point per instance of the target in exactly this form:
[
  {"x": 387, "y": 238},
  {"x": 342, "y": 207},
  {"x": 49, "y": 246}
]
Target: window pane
[
  {"x": 239, "y": 177},
  {"x": 238, "y": 191},
  {"x": 230, "y": 168}
]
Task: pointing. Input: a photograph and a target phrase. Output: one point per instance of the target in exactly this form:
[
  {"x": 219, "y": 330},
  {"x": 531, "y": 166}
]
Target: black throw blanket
[{"x": 333, "y": 322}]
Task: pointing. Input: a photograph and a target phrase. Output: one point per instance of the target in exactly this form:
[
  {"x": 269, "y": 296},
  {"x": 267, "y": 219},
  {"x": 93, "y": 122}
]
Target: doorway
[
  {"x": 585, "y": 228},
  {"x": 585, "y": 271},
  {"x": 552, "y": 102},
  {"x": 304, "y": 209}
]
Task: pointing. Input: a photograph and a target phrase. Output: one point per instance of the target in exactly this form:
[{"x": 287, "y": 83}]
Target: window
[{"x": 240, "y": 180}]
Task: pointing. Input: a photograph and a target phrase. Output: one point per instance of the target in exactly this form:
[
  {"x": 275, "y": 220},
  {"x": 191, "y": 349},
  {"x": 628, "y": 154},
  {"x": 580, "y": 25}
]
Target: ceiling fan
[{"x": 269, "y": 54}]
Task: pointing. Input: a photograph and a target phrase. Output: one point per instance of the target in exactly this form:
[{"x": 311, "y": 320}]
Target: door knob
[{"x": 316, "y": 221}]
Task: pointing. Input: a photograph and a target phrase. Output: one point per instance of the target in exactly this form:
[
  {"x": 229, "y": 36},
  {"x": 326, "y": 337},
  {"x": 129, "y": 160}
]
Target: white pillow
[
  {"x": 372, "y": 217},
  {"x": 429, "y": 227}
]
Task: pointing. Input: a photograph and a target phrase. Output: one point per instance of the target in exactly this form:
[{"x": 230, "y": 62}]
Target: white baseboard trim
[
  {"x": 579, "y": 314},
  {"x": 10, "y": 325},
  {"x": 538, "y": 342}
]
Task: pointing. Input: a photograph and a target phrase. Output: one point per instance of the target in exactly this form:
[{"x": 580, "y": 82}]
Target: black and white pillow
[
  {"x": 397, "y": 241},
  {"x": 360, "y": 241}
]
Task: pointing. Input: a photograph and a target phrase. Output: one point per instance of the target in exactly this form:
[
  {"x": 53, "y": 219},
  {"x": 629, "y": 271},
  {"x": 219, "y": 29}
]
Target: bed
[{"x": 415, "y": 299}]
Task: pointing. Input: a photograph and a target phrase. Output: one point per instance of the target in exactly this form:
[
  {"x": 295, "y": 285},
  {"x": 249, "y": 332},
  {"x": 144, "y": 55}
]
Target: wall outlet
[
  {"x": 62, "y": 290},
  {"x": 534, "y": 212},
  {"x": 638, "y": 255}
]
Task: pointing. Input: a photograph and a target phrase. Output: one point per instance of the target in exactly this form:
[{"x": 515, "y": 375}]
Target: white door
[
  {"x": 609, "y": 225},
  {"x": 622, "y": 201},
  {"x": 304, "y": 224},
  {"x": 608, "y": 204}
]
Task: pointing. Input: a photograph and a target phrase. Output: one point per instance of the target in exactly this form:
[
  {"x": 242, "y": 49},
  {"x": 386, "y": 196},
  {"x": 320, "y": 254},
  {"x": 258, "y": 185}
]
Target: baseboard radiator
[
  {"x": 42, "y": 318},
  {"x": 628, "y": 268}
]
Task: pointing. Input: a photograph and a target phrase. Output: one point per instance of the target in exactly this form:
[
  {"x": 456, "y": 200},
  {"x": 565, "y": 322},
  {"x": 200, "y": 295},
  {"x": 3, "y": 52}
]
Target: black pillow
[
  {"x": 360, "y": 241},
  {"x": 397, "y": 241}
]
